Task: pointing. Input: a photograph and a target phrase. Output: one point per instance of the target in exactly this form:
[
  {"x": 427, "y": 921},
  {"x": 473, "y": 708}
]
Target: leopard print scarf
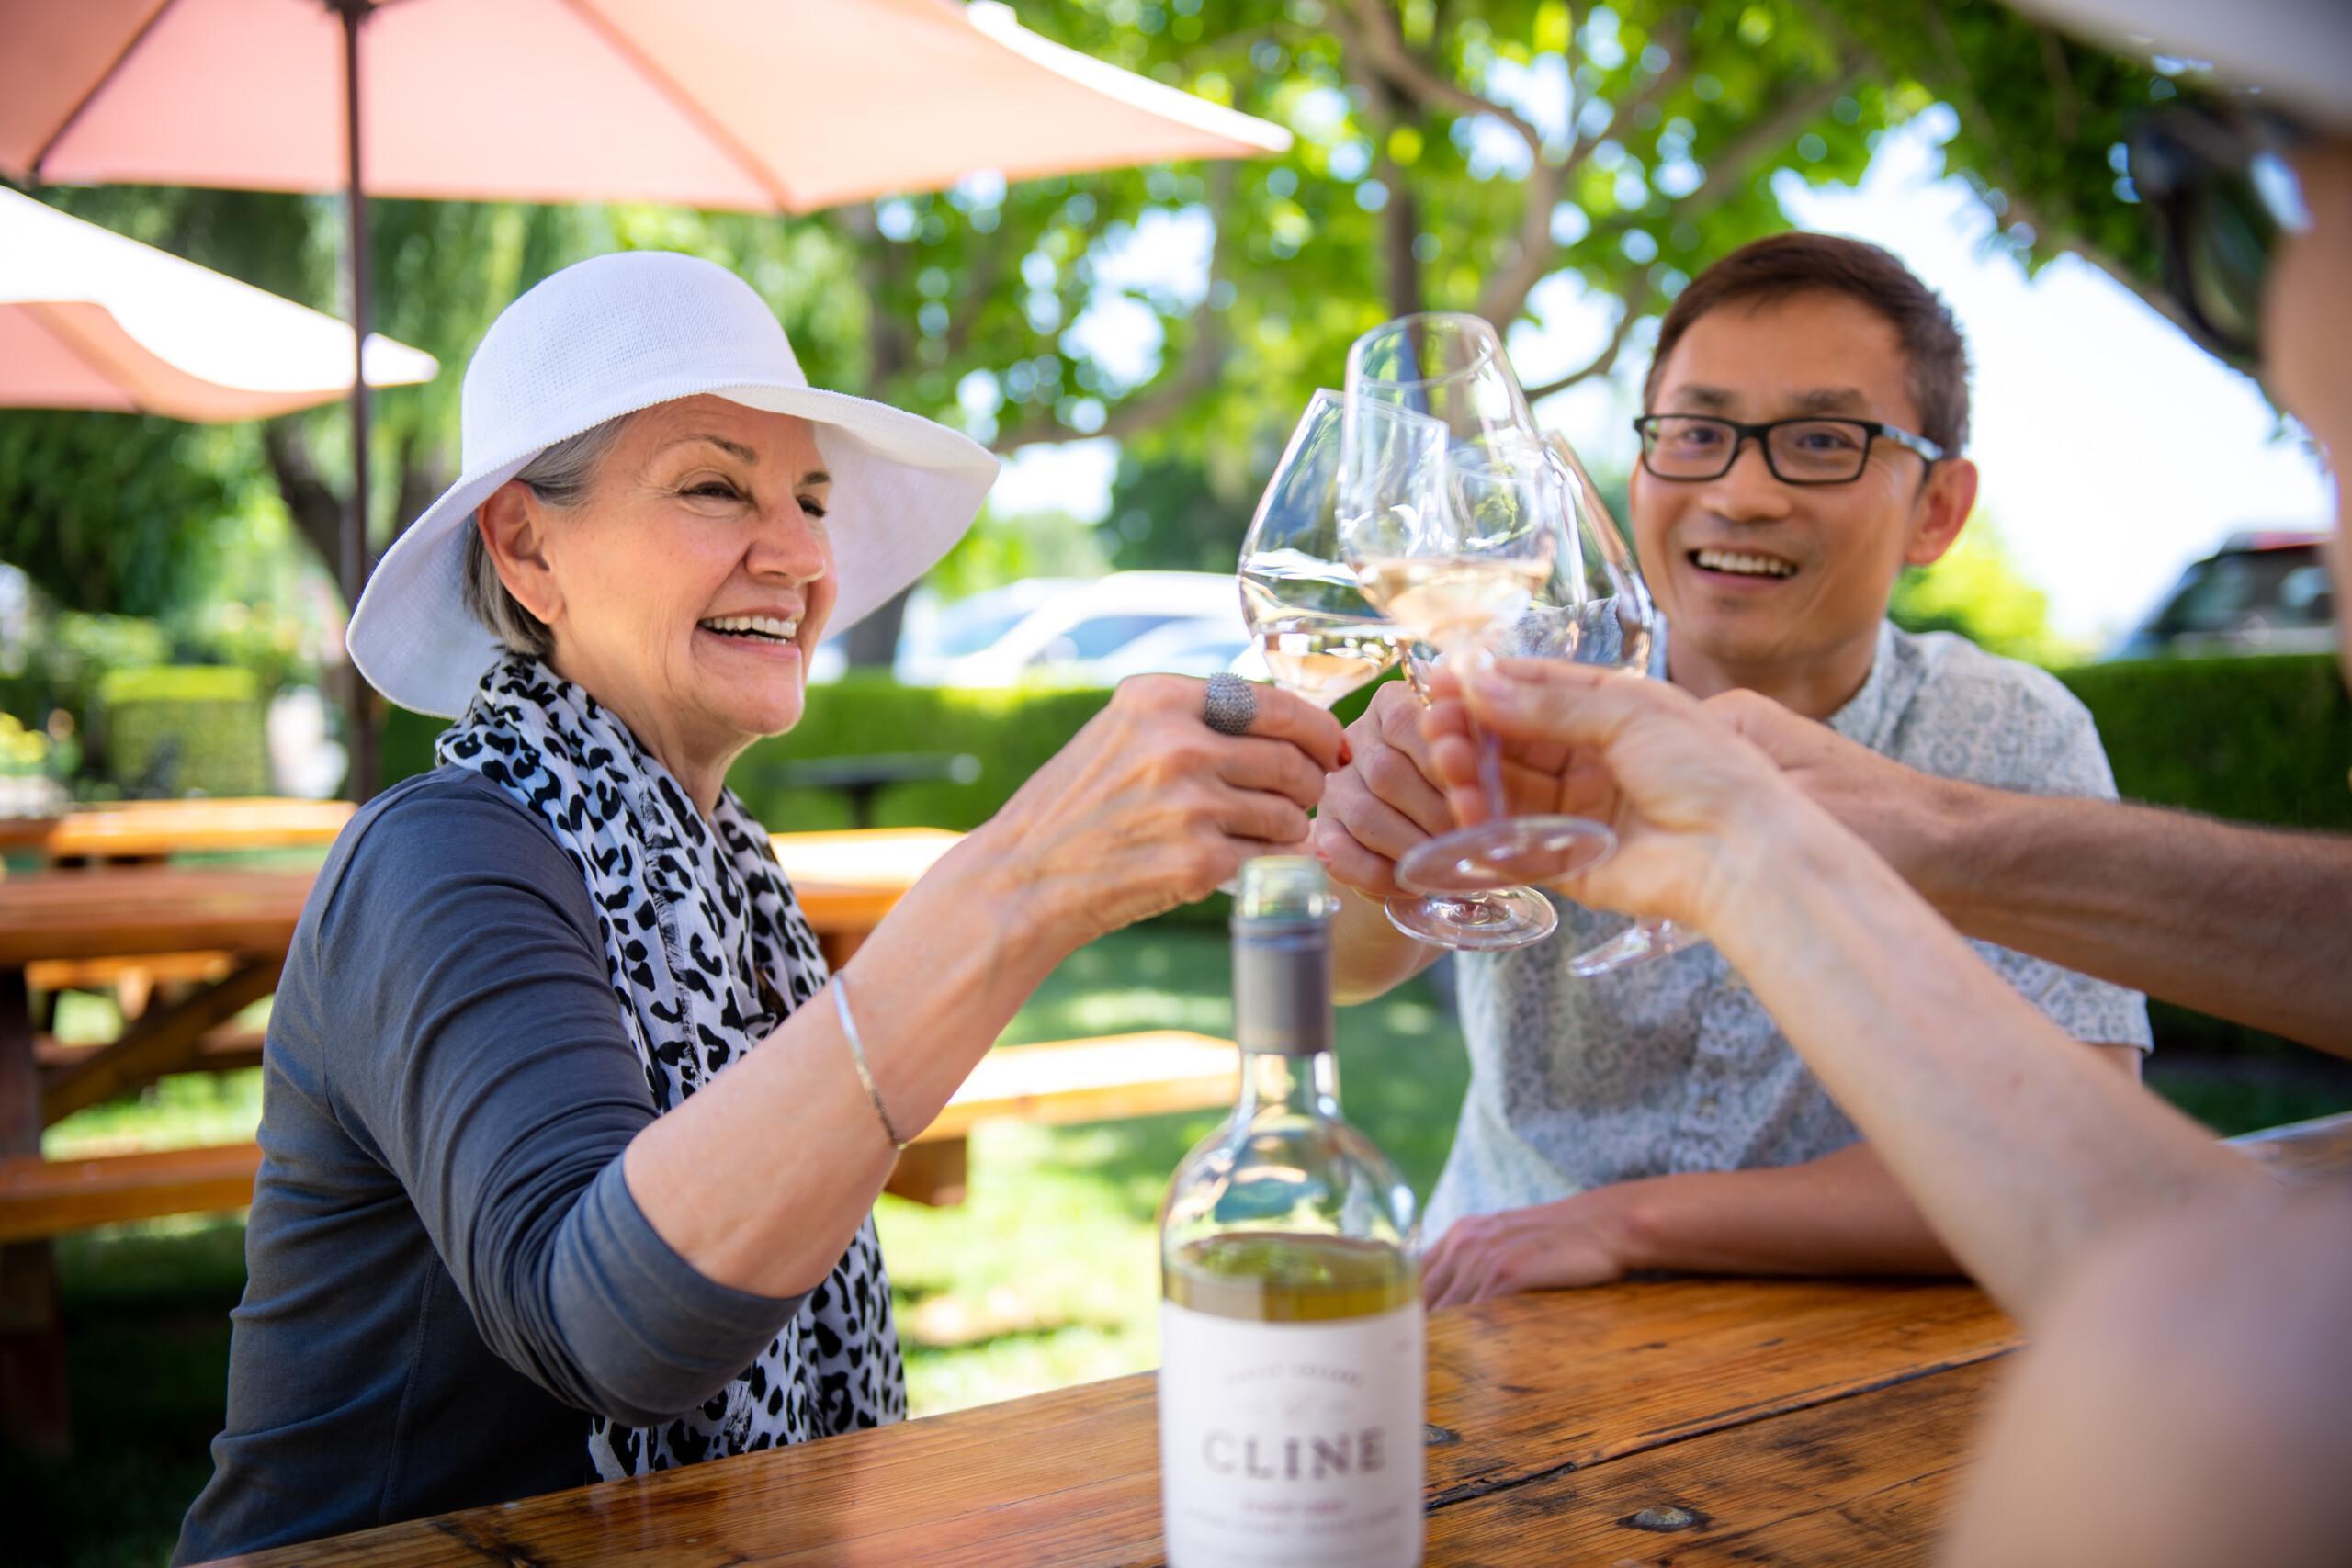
[{"x": 707, "y": 952}]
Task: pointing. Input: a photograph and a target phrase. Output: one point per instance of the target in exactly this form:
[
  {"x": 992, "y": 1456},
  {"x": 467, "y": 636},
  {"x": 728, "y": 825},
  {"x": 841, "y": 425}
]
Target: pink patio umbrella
[
  {"x": 766, "y": 105},
  {"x": 90, "y": 318}
]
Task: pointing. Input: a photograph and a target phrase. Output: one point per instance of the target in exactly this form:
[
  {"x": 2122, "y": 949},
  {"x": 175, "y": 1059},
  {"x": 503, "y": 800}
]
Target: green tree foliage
[
  {"x": 1977, "y": 591},
  {"x": 1450, "y": 153},
  {"x": 115, "y": 511},
  {"x": 1000, "y": 549}
]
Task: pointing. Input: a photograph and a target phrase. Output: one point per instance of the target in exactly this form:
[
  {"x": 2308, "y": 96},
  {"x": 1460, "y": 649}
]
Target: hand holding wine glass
[
  {"x": 1608, "y": 618},
  {"x": 1452, "y": 518}
]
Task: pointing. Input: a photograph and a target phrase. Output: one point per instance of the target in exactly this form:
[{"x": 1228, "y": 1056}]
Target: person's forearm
[
  {"x": 1843, "y": 1213},
  {"x": 1369, "y": 955},
  {"x": 760, "y": 1180},
  {"x": 2245, "y": 923},
  {"x": 2021, "y": 1149}
]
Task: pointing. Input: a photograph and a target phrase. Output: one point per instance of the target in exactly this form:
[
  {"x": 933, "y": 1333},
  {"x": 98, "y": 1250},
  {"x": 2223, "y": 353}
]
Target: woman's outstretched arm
[{"x": 2022, "y": 1152}]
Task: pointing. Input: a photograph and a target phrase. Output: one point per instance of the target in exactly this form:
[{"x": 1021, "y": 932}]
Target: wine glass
[
  {"x": 1321, "y": 638},
  {"x": 1452, "y": 522},
  {"x": 1606, "y": 618},
  {"x": 1305, "y": 609}
]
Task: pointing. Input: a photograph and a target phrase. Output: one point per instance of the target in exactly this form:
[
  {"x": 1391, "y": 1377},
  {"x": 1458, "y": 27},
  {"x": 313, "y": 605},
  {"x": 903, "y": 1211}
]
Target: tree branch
[
  {"x": 1400, "y": 219},
  {"x": 1506, "y": 293},
  {"x": 2062, "y": 85},
  {"x": 1166, "y": 394},
  {"x": 1765, "y": 137},
  {"x": 1384, "y": 44},
  {"x": 1636, "y": 304}
]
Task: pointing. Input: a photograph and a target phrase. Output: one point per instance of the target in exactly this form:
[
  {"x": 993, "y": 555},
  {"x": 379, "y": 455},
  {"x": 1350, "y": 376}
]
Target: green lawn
[{"x": 1045, "y": 1276}]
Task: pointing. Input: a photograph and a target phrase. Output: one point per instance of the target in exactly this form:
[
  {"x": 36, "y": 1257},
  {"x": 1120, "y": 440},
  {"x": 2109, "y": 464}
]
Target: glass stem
[{"x": 1490, "y": 772}]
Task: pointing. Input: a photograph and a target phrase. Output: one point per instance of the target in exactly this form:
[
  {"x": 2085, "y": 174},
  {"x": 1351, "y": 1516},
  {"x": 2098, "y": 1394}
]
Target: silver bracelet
[{"x": 857, "y": 1054}]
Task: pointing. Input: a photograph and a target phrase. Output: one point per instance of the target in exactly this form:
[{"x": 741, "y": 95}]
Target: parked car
[
  {"x": 1091, "y": 632},
  {"x": 934, "y": 631},
  {"x": 1195, "y": 646},
  {"x": 2260, "y": 593}
]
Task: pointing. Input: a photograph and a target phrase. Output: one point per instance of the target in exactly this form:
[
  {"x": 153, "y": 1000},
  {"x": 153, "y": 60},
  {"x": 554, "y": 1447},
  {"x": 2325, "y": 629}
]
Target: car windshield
[
  {"x": 975, "y": 628},
  {"x": 1098, "y": 634},
  {"x": 2280, "y": 588}
]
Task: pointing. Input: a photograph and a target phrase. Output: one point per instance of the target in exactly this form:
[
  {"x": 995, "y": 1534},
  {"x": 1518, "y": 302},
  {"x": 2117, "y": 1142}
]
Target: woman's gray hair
[{"x": 561, "y": 475}]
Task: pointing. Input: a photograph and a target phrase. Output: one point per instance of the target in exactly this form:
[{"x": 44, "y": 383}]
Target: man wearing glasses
[
  {"x": 2187, "y": 1400},
  {"x": 1808, "y": 405}
]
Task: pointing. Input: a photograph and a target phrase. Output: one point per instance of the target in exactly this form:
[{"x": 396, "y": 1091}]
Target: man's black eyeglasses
[
  {"x": 1797, "y": 451},
  {"x": 2223, "y": 193}
]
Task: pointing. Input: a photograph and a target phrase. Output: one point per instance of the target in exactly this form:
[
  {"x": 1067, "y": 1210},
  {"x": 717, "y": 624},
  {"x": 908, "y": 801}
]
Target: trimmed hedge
[
  {"x": 2263, "y": 739},
  {"x": 186, "y": 729}
]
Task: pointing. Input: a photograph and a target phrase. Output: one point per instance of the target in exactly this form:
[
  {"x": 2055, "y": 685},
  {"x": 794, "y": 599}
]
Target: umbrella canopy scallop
[{"x": 90, "y": 318}]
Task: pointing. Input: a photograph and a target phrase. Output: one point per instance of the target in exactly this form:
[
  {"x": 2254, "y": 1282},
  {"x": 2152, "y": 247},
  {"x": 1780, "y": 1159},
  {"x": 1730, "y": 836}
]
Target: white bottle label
[{"x": 1291, "y": 1445}]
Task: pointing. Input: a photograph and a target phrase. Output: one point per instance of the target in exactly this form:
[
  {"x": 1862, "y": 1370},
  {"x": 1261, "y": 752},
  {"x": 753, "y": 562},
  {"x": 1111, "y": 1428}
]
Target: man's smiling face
[{"x": 1760, "y": 579}]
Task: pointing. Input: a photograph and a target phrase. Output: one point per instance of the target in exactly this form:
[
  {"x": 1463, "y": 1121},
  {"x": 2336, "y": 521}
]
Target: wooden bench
[
  {"x": 1075, "y": 1081},
  {"x": 42, "y": 1198},
  {"x": 1105, "y": 1080}
]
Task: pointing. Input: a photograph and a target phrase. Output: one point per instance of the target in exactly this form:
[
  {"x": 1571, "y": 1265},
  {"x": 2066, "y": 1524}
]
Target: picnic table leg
[
  {"x": 934, "y": 1172},
  {"x": 35, "y": 1414}
]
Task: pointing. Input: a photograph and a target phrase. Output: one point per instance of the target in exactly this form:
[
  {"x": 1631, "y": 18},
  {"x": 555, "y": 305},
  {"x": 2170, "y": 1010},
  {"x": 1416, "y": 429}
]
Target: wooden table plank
[
  {"x": 138, "y": 910},
  {"x": 140, "y": 830},
  {"x": 856, "y": 875},
  {"x": 164, "y": 1041},
  {"x": 131, "y": 911},
  {"x": 45, "y": 1198},
  {"x": 1862, "y": 1479},
  {"x": 1523, "y": 1388},
  {"x": 1103, "y": 1079}
]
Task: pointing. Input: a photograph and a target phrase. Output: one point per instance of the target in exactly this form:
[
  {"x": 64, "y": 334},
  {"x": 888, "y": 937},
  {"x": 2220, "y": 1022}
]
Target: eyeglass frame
[{"x": 1743, "y": 432}]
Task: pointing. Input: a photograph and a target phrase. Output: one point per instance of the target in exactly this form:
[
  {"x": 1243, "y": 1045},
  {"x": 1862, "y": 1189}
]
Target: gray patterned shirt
[{"x": 1673, "y": 1064}]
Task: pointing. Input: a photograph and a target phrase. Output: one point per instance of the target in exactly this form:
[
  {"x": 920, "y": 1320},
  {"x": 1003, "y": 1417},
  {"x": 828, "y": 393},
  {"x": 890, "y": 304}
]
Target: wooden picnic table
[
  {"x": 152, "y": 830},
  {"x": 846, "y": 882},
  {"x": 1634, "y": 1425}
]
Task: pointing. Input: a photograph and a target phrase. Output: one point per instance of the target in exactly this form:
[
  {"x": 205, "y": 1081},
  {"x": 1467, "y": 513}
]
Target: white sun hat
[{"x": 607, "y": 337}]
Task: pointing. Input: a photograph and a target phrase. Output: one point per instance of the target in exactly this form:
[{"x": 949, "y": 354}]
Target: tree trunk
[{"x": 874, "y": 641}]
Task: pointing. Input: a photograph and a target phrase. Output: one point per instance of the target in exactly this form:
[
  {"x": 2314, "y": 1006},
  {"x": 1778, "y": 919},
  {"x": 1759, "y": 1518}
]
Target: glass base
[
  {"x": 1638, "y": 944},
  {"x": 1505, "y": 852},
  {"x": 1484, "y": 921}
]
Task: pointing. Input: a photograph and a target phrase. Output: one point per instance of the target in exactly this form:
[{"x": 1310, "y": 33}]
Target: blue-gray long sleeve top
[{"x": 445, "y": 1270}]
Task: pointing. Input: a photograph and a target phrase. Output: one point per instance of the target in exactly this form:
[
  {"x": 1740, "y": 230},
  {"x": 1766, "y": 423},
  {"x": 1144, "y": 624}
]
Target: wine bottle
[{"x": 1291, "y": 1391}]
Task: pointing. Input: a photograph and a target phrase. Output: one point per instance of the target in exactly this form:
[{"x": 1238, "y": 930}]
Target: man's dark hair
[{"x": 1784, "y": 265}]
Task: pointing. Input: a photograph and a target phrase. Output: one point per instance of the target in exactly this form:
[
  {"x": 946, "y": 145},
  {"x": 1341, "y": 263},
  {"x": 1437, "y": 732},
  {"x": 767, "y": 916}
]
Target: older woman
[{"x": 569, "y": 1161}]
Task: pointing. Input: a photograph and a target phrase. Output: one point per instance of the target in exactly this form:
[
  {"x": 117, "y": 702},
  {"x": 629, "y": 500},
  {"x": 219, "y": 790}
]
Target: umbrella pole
[{"x": 360, "y": 783}]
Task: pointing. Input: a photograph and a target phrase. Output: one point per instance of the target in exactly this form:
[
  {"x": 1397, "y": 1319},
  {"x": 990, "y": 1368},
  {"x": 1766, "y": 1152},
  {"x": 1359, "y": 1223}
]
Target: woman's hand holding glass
[
  {"x": 1148, "y": 807},
  {"x": 1599, "y": 610},
  {"x": 1695, "y": 806}
]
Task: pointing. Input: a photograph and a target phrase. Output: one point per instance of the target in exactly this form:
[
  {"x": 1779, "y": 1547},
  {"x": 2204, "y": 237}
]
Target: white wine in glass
[
  {"x": 1457, "y": 602},
  {"x": 1303, "y": 603},
  {"x": 1320, "y": 654}
]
